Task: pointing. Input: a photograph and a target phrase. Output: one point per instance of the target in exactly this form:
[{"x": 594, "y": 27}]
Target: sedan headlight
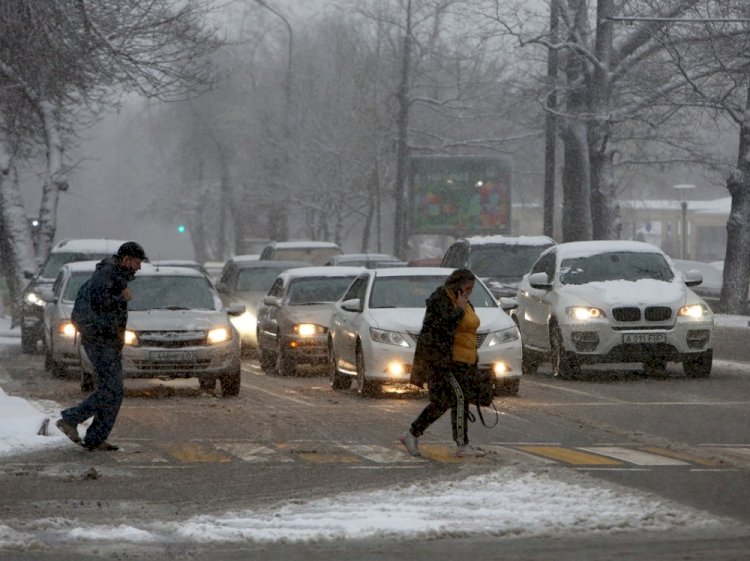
[
  {"x": 388, "y": 337},
  {"x": 504, "y": 336},
  {"x": 131, "y": 338},
  {"x": 309, "y": 330},
  {"x": 694, "y": 311},
  {"x": 246, "y": 323},
  {"x": 218, "y": 335},
  {"x": 34, "y": 299},
  {"x": 585, "y": 313},
  {"x": 67, "y": 329}
]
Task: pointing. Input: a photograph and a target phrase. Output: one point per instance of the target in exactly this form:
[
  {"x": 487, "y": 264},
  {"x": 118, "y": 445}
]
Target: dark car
[
  {"x": 40, "y": 287},
  {"x": 245, "y": 280},
  {"x": 500, "y": 261}
]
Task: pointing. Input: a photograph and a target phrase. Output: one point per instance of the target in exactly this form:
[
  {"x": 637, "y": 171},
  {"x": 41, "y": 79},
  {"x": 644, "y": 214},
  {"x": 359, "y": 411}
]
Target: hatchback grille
[{"x": 172, "y": 339}]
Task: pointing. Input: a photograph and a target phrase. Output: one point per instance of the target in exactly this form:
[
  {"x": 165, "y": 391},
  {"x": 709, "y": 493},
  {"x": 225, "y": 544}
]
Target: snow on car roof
[
  {"x": 246, "y": 258},
  {"x": 510, "y": 240},
  {"x": 269, "y": 264},
  {"x": 82, "y": 265},
  {"x": 149, "y": 269},
  {"x": 321, "y": 271},
  {"x": 303, "y": 244},
  {"x": 84, "y": 245},
  {"x": 587, "y": 248},
  {"x": 413, "y": 271}
]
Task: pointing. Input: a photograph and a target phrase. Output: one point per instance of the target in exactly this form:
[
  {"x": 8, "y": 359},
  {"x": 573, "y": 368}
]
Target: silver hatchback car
[{"x": 178, "y": 328}]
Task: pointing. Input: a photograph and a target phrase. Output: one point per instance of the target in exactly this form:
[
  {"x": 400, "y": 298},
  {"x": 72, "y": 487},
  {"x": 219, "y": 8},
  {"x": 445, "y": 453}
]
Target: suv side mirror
[
  {"x": 271, "y": 301},
  {"x": 540, "y": 280},
  {"x": 693, "y": 278}
]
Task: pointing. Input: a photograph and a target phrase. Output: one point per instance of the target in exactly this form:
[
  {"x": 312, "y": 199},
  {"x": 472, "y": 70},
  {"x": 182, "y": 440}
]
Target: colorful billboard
[{"x": 460, "y": 195}]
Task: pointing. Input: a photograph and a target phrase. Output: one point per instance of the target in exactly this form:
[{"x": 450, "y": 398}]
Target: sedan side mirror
[
  {"x": 507, "y": 303},
  {"x": 353, "y": 305},
  {"x": 271, "y": 301},
  {"x": 540, "y": 280}
]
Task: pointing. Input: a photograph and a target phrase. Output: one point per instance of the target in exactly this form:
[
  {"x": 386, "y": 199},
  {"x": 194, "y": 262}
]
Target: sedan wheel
[
  {"x": 285, "y": 365},
  {"x": 529, "y": 362},
  {"x": 338, "y": 381},
  {"x": 565, "y": 365},
  {"x": 365, "y": 387}
]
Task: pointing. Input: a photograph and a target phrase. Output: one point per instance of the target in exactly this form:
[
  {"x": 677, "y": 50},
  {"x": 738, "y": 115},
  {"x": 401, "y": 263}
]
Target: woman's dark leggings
[{"x": 447, "y": 393}]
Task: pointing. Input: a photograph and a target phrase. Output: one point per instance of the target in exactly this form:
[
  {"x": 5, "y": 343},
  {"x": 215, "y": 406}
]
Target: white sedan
[
  {"x": 612, "y": 302},
  {"x": 374, "y": 329}
]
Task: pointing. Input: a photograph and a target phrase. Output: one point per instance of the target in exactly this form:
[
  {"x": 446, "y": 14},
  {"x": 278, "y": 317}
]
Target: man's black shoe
[
  {"x": 102, "y": 447},
  {"x": 69, "y": 430}
]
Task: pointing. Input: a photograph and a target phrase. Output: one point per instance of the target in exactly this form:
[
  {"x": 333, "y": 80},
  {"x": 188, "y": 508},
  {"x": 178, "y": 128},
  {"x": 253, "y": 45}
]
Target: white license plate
[
  {"x": 172, "y": 356},
  {"x": 644, "y": 337}
]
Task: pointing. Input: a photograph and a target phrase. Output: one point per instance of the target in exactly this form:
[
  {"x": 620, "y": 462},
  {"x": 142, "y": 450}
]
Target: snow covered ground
[{"x": 507, "y": 502}]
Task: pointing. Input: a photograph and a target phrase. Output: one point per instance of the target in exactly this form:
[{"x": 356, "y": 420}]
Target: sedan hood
[
  {"x": 646, "y": 292},
  {"x": 409, "y": 320},
  {"x": 160, "y": 320},
  {"x": 319, "y": 314}
]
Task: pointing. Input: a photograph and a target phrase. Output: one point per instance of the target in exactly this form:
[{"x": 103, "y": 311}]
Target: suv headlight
[
  {"x": 504, "y": 336},
  {"x": 131, "y": 338},
  {"x": 388, "y": 337},
  {"x": 585, "y": 313},
  {"x": 693, "y": 311}
]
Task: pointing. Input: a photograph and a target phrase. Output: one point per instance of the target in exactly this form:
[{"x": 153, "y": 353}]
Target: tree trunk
[
  {"x": 401, "y": 233},
  {"x": 55, "y": 181},
  {"x": 16, "y": 247},
  {"x": 737, "y": 259}
]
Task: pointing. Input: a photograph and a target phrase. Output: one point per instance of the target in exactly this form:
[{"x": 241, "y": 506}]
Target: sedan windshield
[
  {"x": 171, "y": 292},
  {"x": 257, "y": 279},
  {"x": 317, "y": 290},
  {"x": 631, "y": 266},
  {"x": 413, "y": 292}
]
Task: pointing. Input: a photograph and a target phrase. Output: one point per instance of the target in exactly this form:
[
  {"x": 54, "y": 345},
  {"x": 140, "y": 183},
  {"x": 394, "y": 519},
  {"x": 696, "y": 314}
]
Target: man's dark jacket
[
  {"x": 435, "y": 342},
  {"x": 107, "y": 316}
]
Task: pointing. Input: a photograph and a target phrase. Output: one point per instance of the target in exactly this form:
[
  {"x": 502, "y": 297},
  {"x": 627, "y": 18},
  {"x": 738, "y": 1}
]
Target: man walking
[{"x": 100, "y": 315}]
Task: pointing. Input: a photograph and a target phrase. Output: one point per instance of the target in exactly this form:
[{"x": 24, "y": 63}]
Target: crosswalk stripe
[
  {"x": 632, "y": 456},
  {"x": 513, "y": 455},
  {"x": 253, "y": 452},
  {"x": 680, "y": 455},
  {"x": 570, "y": 456},
  {"x": 381, "y": 454},
  {"x": 191, "y": 452}
]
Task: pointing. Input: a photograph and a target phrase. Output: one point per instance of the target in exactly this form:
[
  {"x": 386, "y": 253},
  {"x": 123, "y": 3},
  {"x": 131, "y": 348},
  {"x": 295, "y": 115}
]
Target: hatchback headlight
[
  {"x": 504, "y": 336},
  {"x": 694, "y": 311},
  {"x": 388, "y": 337},
  {"x": 309, "y": 329},
  {"x": 218, "y": 335},
  {"x": 585, "y": 313}
]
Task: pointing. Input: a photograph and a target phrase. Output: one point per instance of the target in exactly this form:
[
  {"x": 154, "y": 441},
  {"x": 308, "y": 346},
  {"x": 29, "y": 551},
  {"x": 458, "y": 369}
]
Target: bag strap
[{"x": 472, "y": 418}]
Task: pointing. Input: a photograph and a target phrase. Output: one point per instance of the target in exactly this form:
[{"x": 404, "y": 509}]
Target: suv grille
[
  {"x": 658, "y": 313},
  {"x": 626, "y": 314}
]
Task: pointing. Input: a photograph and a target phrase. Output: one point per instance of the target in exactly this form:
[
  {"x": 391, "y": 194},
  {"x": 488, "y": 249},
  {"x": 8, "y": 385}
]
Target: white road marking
[
  {"x": 632, "y": 456},
  {"x": 253, "y": 452}
]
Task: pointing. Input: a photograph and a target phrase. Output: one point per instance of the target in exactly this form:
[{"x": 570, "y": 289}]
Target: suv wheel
[
  {"x": 565, "y": 365},
  {"x": 698, "y": 365},
  {"x": 230, "y": 382}
]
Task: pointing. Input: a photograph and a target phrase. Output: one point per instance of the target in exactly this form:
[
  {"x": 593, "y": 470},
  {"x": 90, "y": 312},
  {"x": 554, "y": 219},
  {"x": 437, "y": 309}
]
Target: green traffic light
[{"x": 181, "y": 229}]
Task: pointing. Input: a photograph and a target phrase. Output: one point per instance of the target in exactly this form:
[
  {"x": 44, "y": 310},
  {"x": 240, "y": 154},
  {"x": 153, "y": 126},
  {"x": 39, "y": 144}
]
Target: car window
[
  {"x": 357, "y": 288},
  {"x": 546, "y": 264},
  {"x": 256, "y": 279},
  {"x": 413, "y": 292},
  {"x": 313, "y": 290},
  {"x": 277, "y": 288},
  {"x": 57, "y": 284},
  {"x": 511, "y": 260},
  {"x": 227, "y": 275},
  {"x": 176, "y": 292},
  {"x": 630, "y": 266},
  {"x": 75, "y": 282},
  {"x": 314, "y": 255}
]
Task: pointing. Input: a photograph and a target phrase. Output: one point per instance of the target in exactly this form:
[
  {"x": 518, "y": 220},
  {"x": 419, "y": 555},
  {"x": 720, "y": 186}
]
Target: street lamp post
[{"x": 683, "y": 188}]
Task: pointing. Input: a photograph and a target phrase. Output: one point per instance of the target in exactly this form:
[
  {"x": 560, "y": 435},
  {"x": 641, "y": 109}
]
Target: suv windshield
[
  {"x": 615, "y": 266},
  {"x": 511, "y": 260}
]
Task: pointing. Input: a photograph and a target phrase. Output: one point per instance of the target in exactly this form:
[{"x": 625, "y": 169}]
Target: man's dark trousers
[{"x": 104, "y": 403}]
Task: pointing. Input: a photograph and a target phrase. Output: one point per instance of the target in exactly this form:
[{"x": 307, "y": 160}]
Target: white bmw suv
[{"x": 612, "y": 302}]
